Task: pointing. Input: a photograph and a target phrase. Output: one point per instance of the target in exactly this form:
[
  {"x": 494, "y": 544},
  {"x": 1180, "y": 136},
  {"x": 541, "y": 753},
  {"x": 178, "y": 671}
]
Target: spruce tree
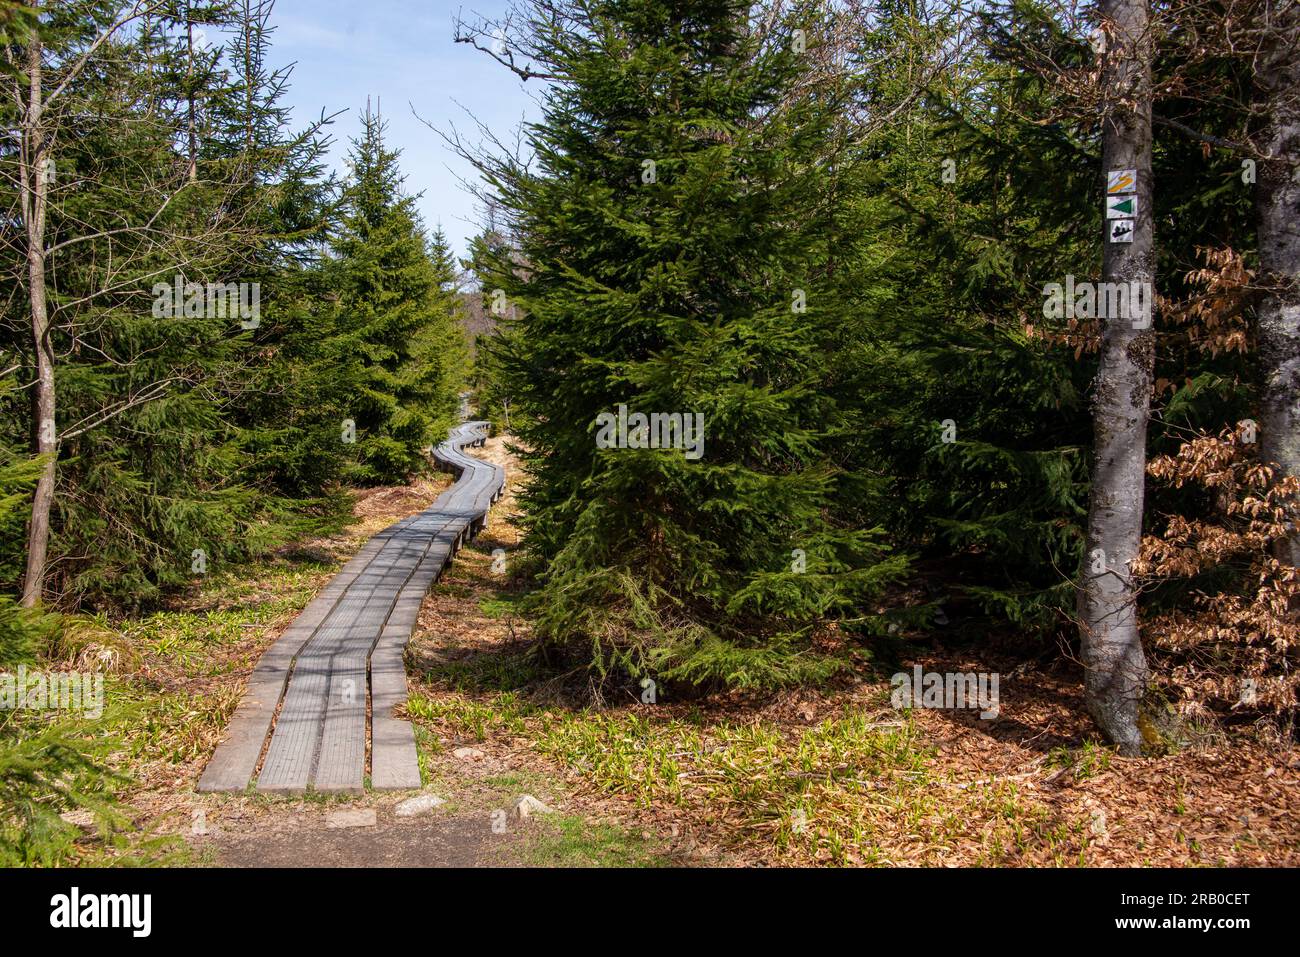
[
  {"x": 290, "y": 399},
  {"x": 47, "y": 767},
  {"x": 398, "y": 312},
  {"x": 969, "y": 421},
  {"x": 667, "y": 259}
]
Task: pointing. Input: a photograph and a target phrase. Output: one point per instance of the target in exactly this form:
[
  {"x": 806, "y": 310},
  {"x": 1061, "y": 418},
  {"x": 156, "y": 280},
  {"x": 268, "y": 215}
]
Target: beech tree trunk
[
  {"x": 1277, "y": 209},
  {"x": 35, "y": 187},
  {"x": 1116, "y": 667}
]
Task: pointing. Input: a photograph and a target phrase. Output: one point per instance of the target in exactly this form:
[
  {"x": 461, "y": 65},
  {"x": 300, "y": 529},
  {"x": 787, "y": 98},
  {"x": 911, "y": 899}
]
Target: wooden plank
[
  {"x": 341, "y": 765},
  {"x": 289, "y": 758},
  {"x": 394, "y": 760},
  {"x": 349, "y": 639},
  {"x": 235, "y": 759},
  {"x": 328, "y": 716}
]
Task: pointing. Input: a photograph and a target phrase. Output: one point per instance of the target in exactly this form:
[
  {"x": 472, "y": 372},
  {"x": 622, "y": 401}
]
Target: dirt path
[{"x": 306, "y": 839}]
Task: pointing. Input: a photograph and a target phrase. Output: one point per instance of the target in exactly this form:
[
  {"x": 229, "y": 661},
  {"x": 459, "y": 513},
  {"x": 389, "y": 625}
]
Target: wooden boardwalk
[{"x": 337, "y": 670}]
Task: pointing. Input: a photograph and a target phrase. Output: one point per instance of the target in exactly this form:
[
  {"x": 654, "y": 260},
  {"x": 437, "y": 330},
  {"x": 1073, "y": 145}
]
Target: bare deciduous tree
[{"x": 43, "y": 92}]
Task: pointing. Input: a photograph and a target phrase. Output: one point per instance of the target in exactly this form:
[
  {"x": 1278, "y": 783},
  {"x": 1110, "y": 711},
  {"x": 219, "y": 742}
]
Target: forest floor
[{"x": 835, "y": 776}]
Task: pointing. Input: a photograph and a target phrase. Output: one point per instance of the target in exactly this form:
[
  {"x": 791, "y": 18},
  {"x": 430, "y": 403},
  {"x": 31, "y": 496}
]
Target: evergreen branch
[{"x": 150, "y": 393}]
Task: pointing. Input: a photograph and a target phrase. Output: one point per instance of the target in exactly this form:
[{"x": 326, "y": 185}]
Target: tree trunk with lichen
[
  {"x": 1277, "y": 210},
  {"x": 1116, "y": 667}
]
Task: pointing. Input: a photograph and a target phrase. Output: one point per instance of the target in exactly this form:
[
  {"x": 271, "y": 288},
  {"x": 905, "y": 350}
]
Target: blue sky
[{"x": 401, "y": 54}]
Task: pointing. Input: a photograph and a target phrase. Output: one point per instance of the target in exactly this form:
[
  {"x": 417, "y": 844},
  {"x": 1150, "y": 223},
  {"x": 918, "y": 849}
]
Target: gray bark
[
  {"x": 192, "y": 131},
  {"x": 1116, "y": 667},
  {"x": 35, "y": 194},
  {"x": 1277, "y": 210}
]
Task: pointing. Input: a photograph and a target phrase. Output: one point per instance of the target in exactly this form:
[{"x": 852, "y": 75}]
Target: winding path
[{"x": 337, "y": 670}]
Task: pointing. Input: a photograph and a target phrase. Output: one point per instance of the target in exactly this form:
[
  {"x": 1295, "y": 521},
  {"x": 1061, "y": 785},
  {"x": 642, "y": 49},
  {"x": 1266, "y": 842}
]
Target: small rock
[
  {"x": 528, "y": 805},
  {"x": 352, "y": 817},
  {"x": 418, "y": 805},
  {"x": 468, "y": 754},
  {"x": 1099, "y": 827},
  {"x": 79, "y": 818}
]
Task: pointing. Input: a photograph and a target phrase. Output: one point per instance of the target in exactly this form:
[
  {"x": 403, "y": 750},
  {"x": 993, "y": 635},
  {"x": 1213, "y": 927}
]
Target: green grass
[
  {"x": 452, "y": 590},
  {"x": 813, "y": 792},
  {"x": 1084, "y": 763},
  {"x": 624, "y": 753},
  {"x": 513, "y": 782},
  {"x": 472, "y": 720},
  {"x": 478, "y": 673},
  {"x": 504, "y": 605},
  {"x": 572, "y": 841},
  {"x": 175, "y": 726}
]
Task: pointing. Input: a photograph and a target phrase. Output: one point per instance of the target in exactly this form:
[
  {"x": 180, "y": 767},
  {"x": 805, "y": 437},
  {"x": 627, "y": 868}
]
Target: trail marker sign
[
  {"x": 1121, "y": 181},
  {"x": 1121, "y": 230},
  {"x": 1121, "y": 207}
]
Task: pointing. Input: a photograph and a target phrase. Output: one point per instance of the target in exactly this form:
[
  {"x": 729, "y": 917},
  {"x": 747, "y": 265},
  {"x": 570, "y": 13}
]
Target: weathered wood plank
[{"x": 350, "y": 639}]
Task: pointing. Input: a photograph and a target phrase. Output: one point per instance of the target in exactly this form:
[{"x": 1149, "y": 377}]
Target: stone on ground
[
  {"x": 527, "y": 806},
  {"x": 419, "y": 804},
  {"x": 352, "y": 817}
]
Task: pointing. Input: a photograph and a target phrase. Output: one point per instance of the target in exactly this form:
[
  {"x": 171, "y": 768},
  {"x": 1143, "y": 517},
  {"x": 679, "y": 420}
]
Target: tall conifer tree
[
  {"x": 398, "y": 312},
  {"x": 668, "y": 259}
]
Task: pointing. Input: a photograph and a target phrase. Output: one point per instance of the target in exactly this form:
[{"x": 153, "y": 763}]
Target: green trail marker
[{"x": 1121, "y": 207}]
